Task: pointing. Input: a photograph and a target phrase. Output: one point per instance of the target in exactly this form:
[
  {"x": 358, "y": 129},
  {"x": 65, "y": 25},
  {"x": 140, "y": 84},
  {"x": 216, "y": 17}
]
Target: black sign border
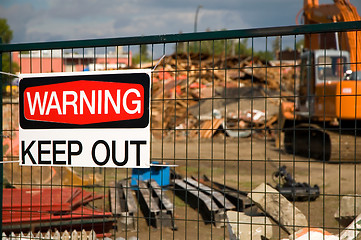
[{"x": 135, "y": 78}]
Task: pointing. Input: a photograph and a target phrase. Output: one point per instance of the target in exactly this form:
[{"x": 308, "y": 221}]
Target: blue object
[{"x": 160, "y": 174}]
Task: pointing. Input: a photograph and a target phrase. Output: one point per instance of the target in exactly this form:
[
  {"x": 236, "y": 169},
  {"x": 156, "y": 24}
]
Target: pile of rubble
[
  {"x": 278, "y": 209},
  {"x": 246, "y": 215},
  {"x": 190, "y": 89}
]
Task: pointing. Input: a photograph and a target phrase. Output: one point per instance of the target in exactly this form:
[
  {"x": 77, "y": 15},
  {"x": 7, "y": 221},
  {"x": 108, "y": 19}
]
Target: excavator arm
[{"x": 339, "y": 11}]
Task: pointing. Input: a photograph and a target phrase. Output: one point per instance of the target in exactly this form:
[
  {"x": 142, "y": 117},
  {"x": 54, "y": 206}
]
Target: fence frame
[
  {"x": 173, "y": 38},
  {"x": 165, "y": 39}
]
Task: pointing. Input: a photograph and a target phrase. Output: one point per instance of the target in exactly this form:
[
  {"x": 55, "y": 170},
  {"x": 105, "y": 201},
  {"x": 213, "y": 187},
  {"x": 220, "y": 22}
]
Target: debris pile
[
  {"x": 186, "y": 89},
  {"x": 291, "y": 219},
  {"x": 253, "y": 214}
]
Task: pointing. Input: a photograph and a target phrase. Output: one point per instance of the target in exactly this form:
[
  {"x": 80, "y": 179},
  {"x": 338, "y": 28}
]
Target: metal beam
[{"x": 173, "y": 38}]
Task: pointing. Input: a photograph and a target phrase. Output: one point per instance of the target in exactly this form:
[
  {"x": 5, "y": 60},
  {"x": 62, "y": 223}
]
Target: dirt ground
[{"x": 244, "y": 164}]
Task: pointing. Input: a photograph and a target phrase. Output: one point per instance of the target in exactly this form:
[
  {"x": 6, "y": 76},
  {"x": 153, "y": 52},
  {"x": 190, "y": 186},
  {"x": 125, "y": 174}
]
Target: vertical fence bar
[{"x": 1, "y": 145}]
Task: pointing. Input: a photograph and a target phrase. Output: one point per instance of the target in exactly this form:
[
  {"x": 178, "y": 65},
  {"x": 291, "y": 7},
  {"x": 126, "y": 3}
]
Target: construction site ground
[
  {"x": 242, "y": 163},
  {"x": 258, "y": 159}
]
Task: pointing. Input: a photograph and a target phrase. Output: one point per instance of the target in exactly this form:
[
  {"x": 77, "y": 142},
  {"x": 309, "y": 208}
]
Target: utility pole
[{"x": 196, "y": 18}]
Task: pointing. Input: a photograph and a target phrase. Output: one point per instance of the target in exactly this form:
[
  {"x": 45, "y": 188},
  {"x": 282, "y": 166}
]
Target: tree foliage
[
  {"x": 229, "y": 47},
  {"x": 6, "y": 34},
  {"x": 142, "y": 56},
  {"x": 300, "y": 44}
]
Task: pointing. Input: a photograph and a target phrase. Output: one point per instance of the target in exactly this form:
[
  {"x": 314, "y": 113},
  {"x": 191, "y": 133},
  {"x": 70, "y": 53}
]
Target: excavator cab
[{"x": 320, "y": 70}]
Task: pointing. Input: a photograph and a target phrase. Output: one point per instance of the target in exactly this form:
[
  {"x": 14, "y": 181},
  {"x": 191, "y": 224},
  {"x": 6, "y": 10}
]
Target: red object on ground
[
  {"x": 45, "y": 208},
  {"x": 47, "y": 199}
]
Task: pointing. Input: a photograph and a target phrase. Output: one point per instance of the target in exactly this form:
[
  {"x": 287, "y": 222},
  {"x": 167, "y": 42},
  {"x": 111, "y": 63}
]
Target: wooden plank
[
  {"x": 114, "y": 203},
  {"x": 209, "y": 127},
  {"x": 165, "y": 217},
  {"x": 164, "y": 200},
  {"x": 205, "y": 204},
  {"x": 130, "y": 200},
  {"x": 148, "y": 205},
  {"x": 219, "y": 197}
]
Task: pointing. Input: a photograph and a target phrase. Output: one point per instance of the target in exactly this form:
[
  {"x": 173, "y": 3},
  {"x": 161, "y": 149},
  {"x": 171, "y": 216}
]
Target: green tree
[
  {"x": 216, "y": 47},
  {"x": 6, "y": 34},
  {"x": 265, "y": 56},
  {"x": 300, "y": 44},
  {"x": 242, "y": 47},
  {"x": 229, "y": 47},
  {"x": 142, "y": 56}
]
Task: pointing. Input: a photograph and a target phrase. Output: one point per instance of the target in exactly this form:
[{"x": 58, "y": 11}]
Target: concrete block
[
  {"x": 350, "y": 208},
  {"x": 278, "y": 208},
  {"x": 352, "y": 231},
  {"x": 242, "y": 226}
]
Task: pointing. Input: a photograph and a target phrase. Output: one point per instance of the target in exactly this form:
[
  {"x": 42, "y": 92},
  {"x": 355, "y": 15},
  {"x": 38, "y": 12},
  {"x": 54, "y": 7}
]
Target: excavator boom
[{"x": 339, "y": 11}]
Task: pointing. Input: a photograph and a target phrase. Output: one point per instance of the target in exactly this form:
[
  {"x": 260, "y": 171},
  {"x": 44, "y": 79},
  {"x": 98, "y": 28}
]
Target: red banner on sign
[{"x": 84, "y": 102}]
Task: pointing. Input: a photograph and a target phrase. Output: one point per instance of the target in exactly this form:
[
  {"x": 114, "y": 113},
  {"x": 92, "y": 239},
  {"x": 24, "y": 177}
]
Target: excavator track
[{"x": 312, "y": 141}]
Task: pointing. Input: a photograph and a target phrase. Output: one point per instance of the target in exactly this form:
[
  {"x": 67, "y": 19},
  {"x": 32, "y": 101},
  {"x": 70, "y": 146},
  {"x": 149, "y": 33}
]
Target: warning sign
[{"x": 85, "y": 119}]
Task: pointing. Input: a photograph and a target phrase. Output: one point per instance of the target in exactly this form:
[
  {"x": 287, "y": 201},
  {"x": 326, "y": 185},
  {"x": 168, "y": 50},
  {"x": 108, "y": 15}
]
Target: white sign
[{"x": 85, "y": 119}]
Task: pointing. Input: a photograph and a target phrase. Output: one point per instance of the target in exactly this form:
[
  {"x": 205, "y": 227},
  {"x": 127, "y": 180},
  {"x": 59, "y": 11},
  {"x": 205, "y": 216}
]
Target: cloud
[
  {"x": 65, "y": 19},
  {"x": 19, "y": 18},
  {"x": 40, "y": 20}
]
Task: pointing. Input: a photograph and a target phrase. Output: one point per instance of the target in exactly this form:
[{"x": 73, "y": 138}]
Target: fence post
[{"x": 1, "y": 145}]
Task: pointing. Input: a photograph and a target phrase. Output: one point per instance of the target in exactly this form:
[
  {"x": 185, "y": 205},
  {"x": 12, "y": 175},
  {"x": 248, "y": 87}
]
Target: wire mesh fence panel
[{"x": 253, "y": 134}]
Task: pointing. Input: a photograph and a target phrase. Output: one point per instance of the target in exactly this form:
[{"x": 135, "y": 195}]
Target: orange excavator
[{"x": 323, "y": 120}]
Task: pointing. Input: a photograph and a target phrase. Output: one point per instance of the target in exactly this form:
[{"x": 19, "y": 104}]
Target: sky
[{"x": 58, "y": 20}]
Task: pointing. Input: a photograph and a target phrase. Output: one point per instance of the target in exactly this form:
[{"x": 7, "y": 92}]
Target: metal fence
[{"x": 248, "y": 137}]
